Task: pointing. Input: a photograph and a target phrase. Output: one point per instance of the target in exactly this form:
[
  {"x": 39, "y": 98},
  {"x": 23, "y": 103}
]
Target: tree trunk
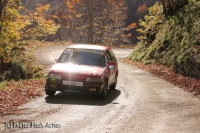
[
  {"x": 104, "y": 20},
  {"x": 2, "y": 12},
  {"x": 90, "y": 25},
  {"x": 173, "y": 4},
  {"x": 183, "y": 2},
  {"x": 164, "y": 6}
]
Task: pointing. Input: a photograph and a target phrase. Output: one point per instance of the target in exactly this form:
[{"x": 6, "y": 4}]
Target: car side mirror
[{"x": 110, "y": 63}]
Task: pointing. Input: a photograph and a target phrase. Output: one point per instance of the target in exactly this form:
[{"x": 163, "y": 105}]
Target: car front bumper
[{"x": 74, "y": 86}]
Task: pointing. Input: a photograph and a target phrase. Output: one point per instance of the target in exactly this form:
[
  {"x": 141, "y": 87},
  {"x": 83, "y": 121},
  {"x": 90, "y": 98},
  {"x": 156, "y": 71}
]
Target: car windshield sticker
[
  {"x": 69, "y": 52},
  {"x": 98, "y": 52}
]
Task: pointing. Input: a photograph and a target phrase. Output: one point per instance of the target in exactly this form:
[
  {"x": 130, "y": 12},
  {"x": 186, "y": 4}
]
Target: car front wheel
[
  {"x": 113, "y": 86},
  {"x": 50, "y": 92},
  {"x": 104, "y": 91}
]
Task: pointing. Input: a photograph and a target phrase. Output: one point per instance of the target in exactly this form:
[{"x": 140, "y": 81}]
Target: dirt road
[{"x": 142, "y": 103}]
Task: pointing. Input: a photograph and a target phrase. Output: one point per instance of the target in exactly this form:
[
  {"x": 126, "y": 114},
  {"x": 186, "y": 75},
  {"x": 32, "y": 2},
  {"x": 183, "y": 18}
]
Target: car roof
[{"x": 88, "y": 46}]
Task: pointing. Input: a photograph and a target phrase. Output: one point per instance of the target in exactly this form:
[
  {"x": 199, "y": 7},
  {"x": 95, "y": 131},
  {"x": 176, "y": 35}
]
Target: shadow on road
[{"x": 83, "y": 99}]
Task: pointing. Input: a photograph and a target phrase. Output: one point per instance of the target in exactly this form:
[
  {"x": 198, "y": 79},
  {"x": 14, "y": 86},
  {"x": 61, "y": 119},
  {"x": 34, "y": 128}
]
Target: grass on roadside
[{"x": 3, "y": 84}]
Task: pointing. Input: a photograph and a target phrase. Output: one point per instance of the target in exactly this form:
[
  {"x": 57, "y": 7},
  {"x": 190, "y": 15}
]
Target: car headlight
[
  {"x": 94, "y": 79},
  {"x": 54, "y": 76}
]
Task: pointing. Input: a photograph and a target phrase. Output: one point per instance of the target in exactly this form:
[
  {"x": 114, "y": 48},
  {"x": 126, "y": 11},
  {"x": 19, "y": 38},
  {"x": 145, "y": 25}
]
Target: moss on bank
[{"x": 176, "y": 43}]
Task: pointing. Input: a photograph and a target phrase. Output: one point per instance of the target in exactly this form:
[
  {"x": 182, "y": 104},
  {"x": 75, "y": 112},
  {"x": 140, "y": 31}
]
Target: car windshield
[{"x": 83, "y": 56}]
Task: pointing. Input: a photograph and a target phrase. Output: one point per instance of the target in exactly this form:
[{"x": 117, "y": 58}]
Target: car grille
[{"x": 71, "y": 79}]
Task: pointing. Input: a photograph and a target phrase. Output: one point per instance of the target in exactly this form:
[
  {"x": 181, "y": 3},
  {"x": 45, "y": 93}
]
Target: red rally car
[{"x": 83, "y": 69}]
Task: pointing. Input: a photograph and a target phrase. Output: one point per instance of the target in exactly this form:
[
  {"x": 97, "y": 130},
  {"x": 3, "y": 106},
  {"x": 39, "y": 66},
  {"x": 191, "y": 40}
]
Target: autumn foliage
[
  {"x": 96, "y": 21},
  {"x": 15, "y": 26},
  {"x": 142, "y": 8},
  {"x": 18, "y": 93},
  {"x": 38, "y": 27}
]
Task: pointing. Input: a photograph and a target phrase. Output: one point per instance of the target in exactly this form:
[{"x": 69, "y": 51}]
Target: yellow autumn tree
[
  {"x": 154, "y": 17},
  {"x": 40, "y": 26},
  {"x": 10, "y": 27},
  {"x": 14, "y": 26}
]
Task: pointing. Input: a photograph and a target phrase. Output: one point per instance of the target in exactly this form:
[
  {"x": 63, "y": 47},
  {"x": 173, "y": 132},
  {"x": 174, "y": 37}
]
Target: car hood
[{"x": 74, "y": 71}]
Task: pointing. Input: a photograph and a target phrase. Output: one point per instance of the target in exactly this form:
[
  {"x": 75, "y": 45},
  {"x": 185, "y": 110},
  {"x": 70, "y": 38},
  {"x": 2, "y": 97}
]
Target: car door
[
  {"x": 111, "y": 66},
  {"x": 114, "y": 63}
]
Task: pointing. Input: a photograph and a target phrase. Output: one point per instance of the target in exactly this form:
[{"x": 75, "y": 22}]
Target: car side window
[
  {"x": 108, "y": 56},
  {"x": 112, "y": 55}
]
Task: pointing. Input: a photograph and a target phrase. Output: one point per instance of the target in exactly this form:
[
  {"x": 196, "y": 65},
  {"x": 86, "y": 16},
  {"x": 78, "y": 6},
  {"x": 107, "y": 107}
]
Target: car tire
[
  {"x": 113, "y": 86},
  {"x": 104, "y": 92},
  {"x": 50, "y": 92}
]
